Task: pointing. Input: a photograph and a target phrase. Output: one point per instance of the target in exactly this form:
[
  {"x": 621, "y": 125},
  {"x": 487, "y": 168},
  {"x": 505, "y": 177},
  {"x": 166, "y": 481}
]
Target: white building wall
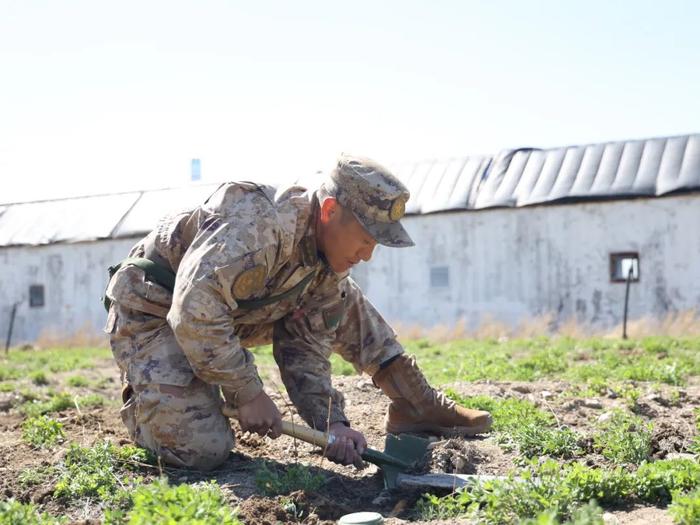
[
  {"x": 74, "y": 278},
  {"x": 513, "y": 264}
]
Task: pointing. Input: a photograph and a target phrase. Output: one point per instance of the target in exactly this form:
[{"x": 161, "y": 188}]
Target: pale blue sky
[{"x": 109, "y": 96}]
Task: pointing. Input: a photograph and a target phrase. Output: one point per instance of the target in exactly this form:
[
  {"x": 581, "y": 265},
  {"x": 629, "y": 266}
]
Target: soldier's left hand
[{"x": 348, "y": 446}]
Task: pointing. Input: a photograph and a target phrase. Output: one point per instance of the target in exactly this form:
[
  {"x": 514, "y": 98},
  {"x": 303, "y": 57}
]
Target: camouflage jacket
[{"x": 244, "y": 244}]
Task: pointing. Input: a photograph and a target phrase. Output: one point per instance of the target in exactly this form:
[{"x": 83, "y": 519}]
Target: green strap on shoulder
[
  {"x": 154, "y": 272},
  {"x": 253, "y": 304}
]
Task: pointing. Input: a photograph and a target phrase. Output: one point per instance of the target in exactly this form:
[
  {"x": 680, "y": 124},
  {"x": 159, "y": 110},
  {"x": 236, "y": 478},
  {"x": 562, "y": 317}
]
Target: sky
[{"x": 101, "y": 97}]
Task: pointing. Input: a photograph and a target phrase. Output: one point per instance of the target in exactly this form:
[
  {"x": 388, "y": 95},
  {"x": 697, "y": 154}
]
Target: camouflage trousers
[{"x": 167, "y": 409}]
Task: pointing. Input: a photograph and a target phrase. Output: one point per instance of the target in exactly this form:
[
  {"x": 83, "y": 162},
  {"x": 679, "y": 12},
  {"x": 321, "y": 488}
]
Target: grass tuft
[
  {"x": 273, "y": 481},
  {"x": 42, "y": 432}
]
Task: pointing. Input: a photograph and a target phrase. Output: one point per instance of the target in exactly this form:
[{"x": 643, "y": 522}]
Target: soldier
[{"x": 252, "y": 266}]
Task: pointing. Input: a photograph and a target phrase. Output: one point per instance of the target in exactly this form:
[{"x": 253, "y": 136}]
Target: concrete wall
[
  {"x": 513, "y": 264},
  {"x": 508, "y": 264},
  {"x": 74, "y": 278}
]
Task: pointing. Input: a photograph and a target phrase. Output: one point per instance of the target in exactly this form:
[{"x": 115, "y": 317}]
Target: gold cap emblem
[
  {"x": 398, "y": 208},
  {"x": 249, "y": 282}
]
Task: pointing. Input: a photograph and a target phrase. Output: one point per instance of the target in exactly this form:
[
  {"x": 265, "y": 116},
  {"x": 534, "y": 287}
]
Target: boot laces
[{"x": 435, "y": 397}]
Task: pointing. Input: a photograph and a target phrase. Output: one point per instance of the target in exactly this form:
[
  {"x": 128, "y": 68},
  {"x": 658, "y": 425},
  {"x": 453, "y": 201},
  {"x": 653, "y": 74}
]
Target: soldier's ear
[{"x": 329, "y": 209}]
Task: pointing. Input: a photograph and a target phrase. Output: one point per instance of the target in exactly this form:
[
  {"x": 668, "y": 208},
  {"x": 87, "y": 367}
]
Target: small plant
[
  {"x": 272, "y": 482},
  {"x": 162, "y": 504},
  {"x": 39, "y": 378},
  {"x": 37, "y": 476},
  {"x": 656, "y": 481},
  {"x": 78, "y": 381},
  {"x": 535, "y": 440},
  {"x": 92, "y": 472},
  {"x": 90, "y": 400},
  {"x": 624, "y": 439},
  {"x": 13, "y": 512},
  {"x": 685, "y": 508},
  {"x": 56, "y": 403},
  {"x": 42, "y": 431}
]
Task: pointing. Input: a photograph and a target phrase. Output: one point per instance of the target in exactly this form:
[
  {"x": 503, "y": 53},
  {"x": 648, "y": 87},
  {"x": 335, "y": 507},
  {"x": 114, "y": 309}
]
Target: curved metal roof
[{"x": 513, "y": 178}]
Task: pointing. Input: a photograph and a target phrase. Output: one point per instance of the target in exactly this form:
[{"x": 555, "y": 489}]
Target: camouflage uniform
[{"x": 177, "y": 351}]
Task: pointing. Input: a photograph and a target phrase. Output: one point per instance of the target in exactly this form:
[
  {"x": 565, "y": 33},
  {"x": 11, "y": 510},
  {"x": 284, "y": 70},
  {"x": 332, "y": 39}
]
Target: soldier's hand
[
  {"x": 260, "y": 415},
  {"x": 348, "y": 446}
]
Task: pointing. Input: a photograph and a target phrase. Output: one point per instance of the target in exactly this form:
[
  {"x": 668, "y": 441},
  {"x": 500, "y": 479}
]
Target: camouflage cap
[{"x": 375, "y": 196}]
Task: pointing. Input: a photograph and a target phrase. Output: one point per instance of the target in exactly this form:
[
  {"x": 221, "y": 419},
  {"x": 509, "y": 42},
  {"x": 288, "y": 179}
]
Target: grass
[
  {"x": 685, "y": 509},
  {"x": 273, "y": 481},
  {"x": 13, "y": 512},
  {"x": 159, "y": 503},
  {"x": 596, "y": 360},
  {"x": 519, "y": 423},
  {"x": 78, "y": 381},
  {"x": 21, "y": 363},
  {"x": 42, "y": 432},
  {"x": 58, "y": 402},
  {"x": 92, "y": 472},
  {"x": 560, "y": 491},
  {"x": 624, "y": 439}
]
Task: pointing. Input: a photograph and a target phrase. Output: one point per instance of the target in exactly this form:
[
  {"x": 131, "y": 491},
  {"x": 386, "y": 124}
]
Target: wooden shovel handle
[{"x": 309, "y": 435}]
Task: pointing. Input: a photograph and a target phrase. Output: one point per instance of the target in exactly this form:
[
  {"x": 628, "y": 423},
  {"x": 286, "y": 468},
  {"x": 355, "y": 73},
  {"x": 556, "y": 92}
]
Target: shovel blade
[{"x": 406, "y": 448}]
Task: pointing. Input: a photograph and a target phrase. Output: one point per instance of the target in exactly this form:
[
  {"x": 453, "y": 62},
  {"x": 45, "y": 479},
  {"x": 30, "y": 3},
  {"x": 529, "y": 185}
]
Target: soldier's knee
[{"x": 209, "y": 459}]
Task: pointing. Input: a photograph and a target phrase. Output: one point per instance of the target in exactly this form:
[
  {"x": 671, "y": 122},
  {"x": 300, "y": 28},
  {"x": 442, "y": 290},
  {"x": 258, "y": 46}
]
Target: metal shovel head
[{"x": 409, "y": 449}]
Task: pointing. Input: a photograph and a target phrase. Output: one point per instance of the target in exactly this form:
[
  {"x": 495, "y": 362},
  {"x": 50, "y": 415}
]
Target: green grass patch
[
  {"x": 37, "y": 476},
  {"x": 162, "y": 504},
  {"x": 522, "y": 424},
  {"x": 624, "y": 439},
  {"x": 92, "y": 472},
  {"x": 60, "y": 401},
  {"x": 42, "y": 432},
  {"x": 558, "y": 491},
  {"x": 594, "y": 361},
  {"x": 685, "y": 509},
  {"x": 13, "y": 512},
  {"x": 273, "y": 481},
  {"x": 7, "y": 386},
  {"x": 78, "y": 381},
  {"x": 19, "y": 364},
  {"x": 39, "y": 378}
]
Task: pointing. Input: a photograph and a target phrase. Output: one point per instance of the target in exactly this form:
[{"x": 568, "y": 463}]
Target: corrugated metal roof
[
  {"x": 65, "y": 220},
  {"x": 513, "y": 178},
  {"x": 152, "y": 205}
]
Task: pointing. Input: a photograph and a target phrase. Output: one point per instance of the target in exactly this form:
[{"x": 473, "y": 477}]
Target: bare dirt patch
[{"x": 345, "y": 489}]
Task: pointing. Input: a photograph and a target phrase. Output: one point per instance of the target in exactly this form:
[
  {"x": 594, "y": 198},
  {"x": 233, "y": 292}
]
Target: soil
[{"x": 346, "y": 489}]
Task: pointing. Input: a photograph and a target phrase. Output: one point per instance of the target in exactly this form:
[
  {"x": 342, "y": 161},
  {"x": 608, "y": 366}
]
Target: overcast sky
[{"x": 109, "y": 96}]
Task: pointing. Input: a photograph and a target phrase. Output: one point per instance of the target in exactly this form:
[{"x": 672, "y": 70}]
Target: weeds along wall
[
  {"x": 511, "y": 264},
  {"x": 58, "y": 288}
]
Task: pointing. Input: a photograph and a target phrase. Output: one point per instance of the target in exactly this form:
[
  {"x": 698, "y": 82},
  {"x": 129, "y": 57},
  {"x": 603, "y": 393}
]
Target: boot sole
[{"x": 443, "y": 431}]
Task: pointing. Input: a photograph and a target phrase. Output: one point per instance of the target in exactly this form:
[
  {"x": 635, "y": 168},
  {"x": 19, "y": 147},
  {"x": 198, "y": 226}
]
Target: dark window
[
  {"x": 36, "y": 295},
  {"x": 439, "y": 277},
  {"x": 621, "y": 264}
]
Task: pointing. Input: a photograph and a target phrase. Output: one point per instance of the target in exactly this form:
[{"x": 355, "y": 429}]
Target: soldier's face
[{"x": 342, "y": 239}]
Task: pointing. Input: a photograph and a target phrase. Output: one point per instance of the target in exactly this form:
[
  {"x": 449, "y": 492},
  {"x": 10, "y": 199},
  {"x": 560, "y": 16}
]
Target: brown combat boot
[{"x": 417, "y": 407}]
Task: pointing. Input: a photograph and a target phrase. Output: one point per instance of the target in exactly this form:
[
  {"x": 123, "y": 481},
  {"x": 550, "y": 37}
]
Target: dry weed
[
  {"x": 85, "y": 336},
  {"x": 685, "y": 323}
]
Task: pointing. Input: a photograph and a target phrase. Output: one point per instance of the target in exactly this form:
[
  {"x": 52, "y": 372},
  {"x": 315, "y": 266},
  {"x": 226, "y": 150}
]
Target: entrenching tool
[{"x": 402, "y": 454}]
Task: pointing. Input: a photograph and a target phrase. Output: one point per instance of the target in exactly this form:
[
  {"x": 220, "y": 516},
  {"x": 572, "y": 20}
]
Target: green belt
[{"x": 166, "y": 278}]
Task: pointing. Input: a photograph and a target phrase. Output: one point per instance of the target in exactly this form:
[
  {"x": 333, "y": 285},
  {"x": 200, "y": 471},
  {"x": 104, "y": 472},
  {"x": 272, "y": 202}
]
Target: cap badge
[
  {"x": 398, "y": 208},
  {"x": 249, "y": 282}
]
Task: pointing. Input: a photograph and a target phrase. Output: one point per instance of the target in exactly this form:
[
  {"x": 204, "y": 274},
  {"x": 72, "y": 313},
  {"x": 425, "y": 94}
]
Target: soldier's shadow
[{"x": 261, "y": 481}]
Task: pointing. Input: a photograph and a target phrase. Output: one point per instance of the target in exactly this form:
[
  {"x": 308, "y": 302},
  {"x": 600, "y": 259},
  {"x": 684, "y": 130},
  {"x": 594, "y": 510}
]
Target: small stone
[
  {"x": 546, "y": 394},
  {"x": 605, "y": 416},
  {"x": 610, "y": 519},
  {"x": 364, "y": 384},
  {"x": 592, "y": 403}
]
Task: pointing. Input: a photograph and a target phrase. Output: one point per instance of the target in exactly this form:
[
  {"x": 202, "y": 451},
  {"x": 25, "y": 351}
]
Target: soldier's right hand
[{"x": 260, "y": 415}]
